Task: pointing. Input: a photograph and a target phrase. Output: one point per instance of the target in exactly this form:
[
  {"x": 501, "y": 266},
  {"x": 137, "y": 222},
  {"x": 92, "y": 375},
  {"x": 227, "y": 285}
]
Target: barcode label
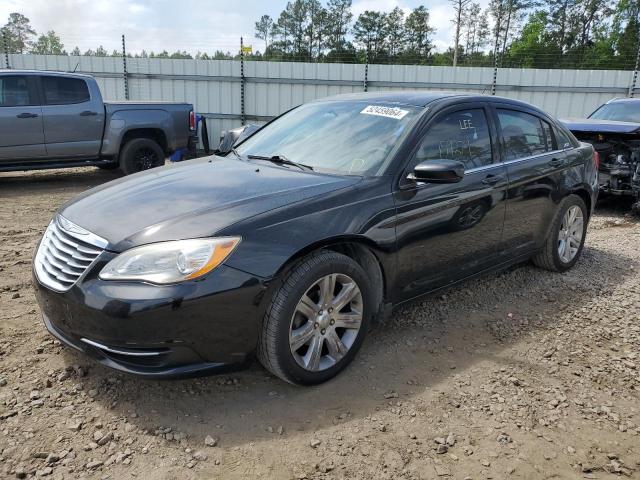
[{"x": 389, "y": 112}]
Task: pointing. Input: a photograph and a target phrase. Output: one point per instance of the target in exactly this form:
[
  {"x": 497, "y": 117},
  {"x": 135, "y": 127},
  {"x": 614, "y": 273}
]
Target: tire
[
  {"x": 549, "y": 257},
  {"x": 284, "y": 315},
  {"x": 140, "y": 154}
]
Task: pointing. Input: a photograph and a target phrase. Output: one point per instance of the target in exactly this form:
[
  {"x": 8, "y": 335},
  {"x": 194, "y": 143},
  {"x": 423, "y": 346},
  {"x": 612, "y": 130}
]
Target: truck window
[
  {"x": 14, "y": 91},
  {"x": 64, "y": 91}
]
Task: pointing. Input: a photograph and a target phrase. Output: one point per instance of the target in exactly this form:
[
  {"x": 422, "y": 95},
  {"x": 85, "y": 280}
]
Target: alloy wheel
[
  {"x": 145, "y": 159},
  {"x": 570, "y": 235},
  {"x": 326, "y": 322}
]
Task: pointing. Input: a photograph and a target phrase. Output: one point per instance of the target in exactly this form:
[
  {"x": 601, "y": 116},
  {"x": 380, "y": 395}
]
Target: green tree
[
  {"x": 626, "y": 31},
  {"x": 49, "y": 44},
  {"x": 369, "y": 32},
  {"x": 76, "y": 52},
  {"x": 459, "y": 8},
  {"x": 264, "y": 30},
  {"x": 535, "y": 44},
  {"x": 418, "y": 32},
  {"x": 476, "y": 29},
  {"x": 339, "y": 18},
  {"x": 395, "y": 32},
  {"x": 18, "y": 33}
]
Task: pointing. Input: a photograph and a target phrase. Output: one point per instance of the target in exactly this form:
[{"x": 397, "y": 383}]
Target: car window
[
  {"x": 14, "y": 91},
  {"x": 562, "y": 138},
  {"x": 618, "y": 111},
  {"x": 549, "y": 137},
  {"x": 346, "y": 137},
  {"x": 524, "y": 134},
  {"x": 64, "y": 91},
  {"x": 462, "y": 135}
]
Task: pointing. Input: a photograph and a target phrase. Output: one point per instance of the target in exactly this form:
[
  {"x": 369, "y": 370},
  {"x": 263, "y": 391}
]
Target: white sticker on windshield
[{"x": 389, "y": 112}]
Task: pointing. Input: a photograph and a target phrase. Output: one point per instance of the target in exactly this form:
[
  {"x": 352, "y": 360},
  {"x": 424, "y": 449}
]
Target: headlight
[{"x": 170, "y": 262}]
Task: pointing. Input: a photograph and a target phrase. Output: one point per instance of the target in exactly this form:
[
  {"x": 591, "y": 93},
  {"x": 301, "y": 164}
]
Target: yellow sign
[{"x": 247, "y": 49}]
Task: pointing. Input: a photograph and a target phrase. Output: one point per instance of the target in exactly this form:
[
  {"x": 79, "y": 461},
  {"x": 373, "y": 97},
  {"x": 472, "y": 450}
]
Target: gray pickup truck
[{"x": 55, "y": 120}]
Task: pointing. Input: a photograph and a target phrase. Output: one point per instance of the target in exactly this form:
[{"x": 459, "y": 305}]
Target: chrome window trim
[
  {"x": 531, "y": 157},
  {"x": 484, "y": 167},
  {"x": 511, "y": 162}
]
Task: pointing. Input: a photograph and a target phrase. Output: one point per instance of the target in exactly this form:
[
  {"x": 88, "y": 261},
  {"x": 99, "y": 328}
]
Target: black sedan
[{"x": 313, "y": 227}]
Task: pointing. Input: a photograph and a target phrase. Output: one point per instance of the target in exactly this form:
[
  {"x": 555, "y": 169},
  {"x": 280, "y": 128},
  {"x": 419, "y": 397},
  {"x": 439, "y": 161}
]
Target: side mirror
[{"x": 438, "y": 171}]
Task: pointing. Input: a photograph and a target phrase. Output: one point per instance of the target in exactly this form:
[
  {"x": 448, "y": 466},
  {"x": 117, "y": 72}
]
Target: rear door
[
  {"x": 21, "y": 128},
  {"x": 73, "y": 119},
  {"x": 446, "y": 232},
  {"x": 535, "y": 167}
]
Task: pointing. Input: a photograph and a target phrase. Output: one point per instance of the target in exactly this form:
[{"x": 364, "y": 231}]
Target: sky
[{"x": 191, "y": 25}]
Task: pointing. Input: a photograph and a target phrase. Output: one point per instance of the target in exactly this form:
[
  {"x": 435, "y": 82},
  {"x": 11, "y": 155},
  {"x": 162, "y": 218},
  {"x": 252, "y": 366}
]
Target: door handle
[
  {"x": 556, "y": 162},
  {"x": 27, "y": 115},
  {"x": 492, "y": 179},
  {"x": 88, "y": 113}
]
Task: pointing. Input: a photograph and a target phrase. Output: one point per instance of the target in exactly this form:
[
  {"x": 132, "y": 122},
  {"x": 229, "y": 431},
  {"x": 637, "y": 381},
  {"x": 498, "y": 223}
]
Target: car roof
[
  {"x": 422, "y": 98},
  {"x": 42, "y": 72},
  {"x": 624, "y": 100}
]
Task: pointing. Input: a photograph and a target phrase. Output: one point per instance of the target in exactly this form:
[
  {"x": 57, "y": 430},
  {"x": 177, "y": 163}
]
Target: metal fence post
[
  {"x": 495, "y": 50},
  {"x": 242, "y": 81},
  {"x": 5, "y": 47},
  {"x": 634, "y": 77},
  {"x": 366, "y": 70},
  {"x": 124, "y": 70}
]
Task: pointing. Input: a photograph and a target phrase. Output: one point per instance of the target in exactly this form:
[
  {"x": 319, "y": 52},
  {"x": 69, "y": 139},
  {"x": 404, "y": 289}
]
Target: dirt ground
[{"x": 524, "y": 374}]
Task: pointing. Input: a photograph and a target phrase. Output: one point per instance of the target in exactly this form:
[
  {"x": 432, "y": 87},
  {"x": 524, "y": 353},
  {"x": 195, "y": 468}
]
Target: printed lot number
[{"x": 389, "y": 112}]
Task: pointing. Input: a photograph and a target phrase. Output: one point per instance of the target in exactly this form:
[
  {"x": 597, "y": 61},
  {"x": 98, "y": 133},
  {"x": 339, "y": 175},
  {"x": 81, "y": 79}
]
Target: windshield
[
  {"x": 621, "y": 112},
  {"x": 342, "y": 137}
]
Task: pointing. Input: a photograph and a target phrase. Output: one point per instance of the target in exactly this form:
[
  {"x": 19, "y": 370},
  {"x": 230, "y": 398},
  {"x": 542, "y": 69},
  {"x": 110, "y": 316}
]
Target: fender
[{"x": 122, "y": 121}]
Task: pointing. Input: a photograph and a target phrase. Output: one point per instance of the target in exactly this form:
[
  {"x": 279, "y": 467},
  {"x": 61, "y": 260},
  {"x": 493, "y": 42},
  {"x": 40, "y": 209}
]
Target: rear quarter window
[{"x": 65, "y": 91}]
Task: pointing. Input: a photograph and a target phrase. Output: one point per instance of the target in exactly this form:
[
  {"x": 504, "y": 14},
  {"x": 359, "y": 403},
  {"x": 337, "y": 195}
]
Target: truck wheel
[
  {"x": 566, "y": 237},
  {"x": 316, "y": 320},
  {"x": 140, "y": 154}
]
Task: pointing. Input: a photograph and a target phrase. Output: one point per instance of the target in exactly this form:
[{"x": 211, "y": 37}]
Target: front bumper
[{"x": 196, "y": 327}]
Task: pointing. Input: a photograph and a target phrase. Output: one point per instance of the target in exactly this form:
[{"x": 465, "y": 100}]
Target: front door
[
  {"x": 21, "y": 128},
  {"x": 446, "y": 232}
]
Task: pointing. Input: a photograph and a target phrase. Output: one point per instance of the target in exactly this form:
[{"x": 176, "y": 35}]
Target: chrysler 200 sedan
[{"x": 310, "y": 229}]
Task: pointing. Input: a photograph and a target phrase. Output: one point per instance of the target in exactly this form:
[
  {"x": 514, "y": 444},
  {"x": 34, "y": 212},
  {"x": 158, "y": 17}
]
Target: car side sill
[{"x": 496, "y": 268}]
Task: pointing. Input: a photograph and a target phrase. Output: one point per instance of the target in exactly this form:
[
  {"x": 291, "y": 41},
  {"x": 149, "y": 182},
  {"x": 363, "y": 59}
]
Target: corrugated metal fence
[{"x": 214, "y": 86}]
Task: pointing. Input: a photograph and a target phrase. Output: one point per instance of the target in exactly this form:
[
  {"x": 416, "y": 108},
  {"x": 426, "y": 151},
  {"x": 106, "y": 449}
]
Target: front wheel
[
  {"x": 140, "y": 154},
  {"x": 566, "y": 238},
  {"x": 317, "y": 319}
]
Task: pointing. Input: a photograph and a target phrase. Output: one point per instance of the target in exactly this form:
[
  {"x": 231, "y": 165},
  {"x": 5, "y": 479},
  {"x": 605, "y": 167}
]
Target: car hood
[
  {"x": 601, "y": 126},
  {"x": 192, "y": 200}
]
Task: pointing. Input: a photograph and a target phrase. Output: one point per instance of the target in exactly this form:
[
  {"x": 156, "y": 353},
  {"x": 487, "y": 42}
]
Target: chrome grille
[{"x": 65, "y": 253}]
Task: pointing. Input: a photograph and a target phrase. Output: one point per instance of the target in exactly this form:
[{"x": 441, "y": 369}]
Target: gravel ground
[{"x": 524, "y": 374}]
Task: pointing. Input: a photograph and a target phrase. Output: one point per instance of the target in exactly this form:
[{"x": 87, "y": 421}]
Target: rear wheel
[
  {"x": 317, "y": 319},
  {"x": 566, "y": 237},
  {"x": 140, "y": 154}
]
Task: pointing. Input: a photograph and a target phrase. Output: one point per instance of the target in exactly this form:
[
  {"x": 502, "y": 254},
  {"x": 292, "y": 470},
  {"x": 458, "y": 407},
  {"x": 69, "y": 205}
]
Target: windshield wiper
[{"x": 281, "y": 160}]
